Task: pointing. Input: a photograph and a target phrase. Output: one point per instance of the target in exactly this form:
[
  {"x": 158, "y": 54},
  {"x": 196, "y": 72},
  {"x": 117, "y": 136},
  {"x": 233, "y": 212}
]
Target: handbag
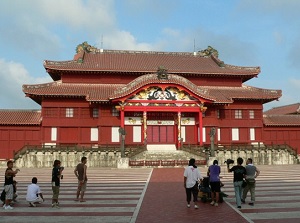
[{"x": 250, "y": 181}]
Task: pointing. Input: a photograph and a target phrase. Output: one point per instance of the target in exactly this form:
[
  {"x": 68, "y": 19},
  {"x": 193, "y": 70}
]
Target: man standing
[
  {"x": 34, "y": 195},
  {"x": 8, "y": 184},
  {"x": 238, "y": 175},
  {"x": 80, "y": 173},
  {"x": 251, "y": 173}
]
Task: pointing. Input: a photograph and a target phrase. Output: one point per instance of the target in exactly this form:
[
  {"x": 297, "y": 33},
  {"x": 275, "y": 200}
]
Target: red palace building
[{"x": 165, "y": 99}]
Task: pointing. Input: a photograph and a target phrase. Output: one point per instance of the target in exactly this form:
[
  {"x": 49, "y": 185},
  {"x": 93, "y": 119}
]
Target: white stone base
[
  {"x": 123, "y": 163},
  {"x": 160, "y": 147},
  {"x": 210, "y": 160}
]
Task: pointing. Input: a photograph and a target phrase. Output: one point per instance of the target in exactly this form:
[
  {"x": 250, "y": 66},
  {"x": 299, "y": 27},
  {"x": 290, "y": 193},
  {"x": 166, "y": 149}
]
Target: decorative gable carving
[
  {"x": 157, "y": 93},
  {"x": 162, "y": 73}
]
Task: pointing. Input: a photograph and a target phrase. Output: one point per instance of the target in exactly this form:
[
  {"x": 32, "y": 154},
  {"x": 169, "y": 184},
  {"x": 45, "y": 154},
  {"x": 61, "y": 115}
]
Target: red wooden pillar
[
  {"x": 196, "y": 133},
  {"x": 145, "y": 127},
  {"x": 179, "y": 130},
  {"x": 200, "y": 129},
  {"x": 202, "y": 109},
  {"x": 122, "y": 117}
]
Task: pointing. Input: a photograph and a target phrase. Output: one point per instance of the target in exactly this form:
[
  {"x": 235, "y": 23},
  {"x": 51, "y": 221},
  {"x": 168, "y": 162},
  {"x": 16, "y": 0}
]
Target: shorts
[
  {"x": 215, "y": 186},
  {"x": 9, "y": 190},
  {"x": 82, "y": 186},
  {"x": 55, "y": 190}
]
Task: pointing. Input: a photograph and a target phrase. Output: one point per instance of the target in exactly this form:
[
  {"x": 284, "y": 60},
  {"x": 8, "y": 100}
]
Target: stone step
[
  {"x": 160, "y": 147},
  {"x": 165, "y": 155}
]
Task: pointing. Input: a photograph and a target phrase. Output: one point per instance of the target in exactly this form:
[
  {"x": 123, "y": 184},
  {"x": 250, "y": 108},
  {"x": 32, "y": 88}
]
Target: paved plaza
[{"x": 145, "y": 195}]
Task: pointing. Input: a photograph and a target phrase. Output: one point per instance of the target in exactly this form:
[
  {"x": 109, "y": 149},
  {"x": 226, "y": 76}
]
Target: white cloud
[
  {"x": 94, "y": 15},
  {"x": 39, "y": 26},
  {"x": 13, "y": 76},
  {"x": 122, "y": 40}
]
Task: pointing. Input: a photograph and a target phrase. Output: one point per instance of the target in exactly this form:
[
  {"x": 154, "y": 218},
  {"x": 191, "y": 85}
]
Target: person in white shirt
[
  {"x": 192, "y": 176},
  {"x": 34, "y": 195}
]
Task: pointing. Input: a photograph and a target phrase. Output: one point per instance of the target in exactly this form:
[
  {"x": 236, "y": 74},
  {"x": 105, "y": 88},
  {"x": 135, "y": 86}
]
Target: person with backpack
[{"x": 251, "y": 173}]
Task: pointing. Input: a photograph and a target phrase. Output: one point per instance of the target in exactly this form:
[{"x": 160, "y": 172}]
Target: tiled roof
[
  {"x": 106, "y": 92},
  {"x": 284, "y": 110},
  {"x": 148, "y": 62},
  {"x": 20, "y": 117},
  {"x": 92, "y": 92},
  {"x": 228, "y": 94},
  {"x": 281, "y": 120}
]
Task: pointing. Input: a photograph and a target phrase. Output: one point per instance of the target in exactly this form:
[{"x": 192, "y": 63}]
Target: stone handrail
[
  {"x": 196, "y": 150},
  {"x": 205, "y": 151},
  {"x": 130, "y": 150},
  {"x": 238, "y": 147}
]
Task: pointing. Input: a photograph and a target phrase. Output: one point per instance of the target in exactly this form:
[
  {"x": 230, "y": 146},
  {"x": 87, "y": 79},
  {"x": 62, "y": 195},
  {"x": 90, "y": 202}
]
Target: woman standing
[
  {"x": 191, "y": 178},
  {"x": 214, "y": 180},
  {"x": 56, "y": 176}
]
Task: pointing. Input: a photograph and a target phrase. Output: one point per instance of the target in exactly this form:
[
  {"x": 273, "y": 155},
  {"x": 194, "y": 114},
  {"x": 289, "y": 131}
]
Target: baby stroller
[{"x": 204, "y": 190}]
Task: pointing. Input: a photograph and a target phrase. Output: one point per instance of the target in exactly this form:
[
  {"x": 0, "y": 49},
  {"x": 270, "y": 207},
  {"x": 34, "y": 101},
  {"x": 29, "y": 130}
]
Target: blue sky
[{"x": 261, "y": 33}]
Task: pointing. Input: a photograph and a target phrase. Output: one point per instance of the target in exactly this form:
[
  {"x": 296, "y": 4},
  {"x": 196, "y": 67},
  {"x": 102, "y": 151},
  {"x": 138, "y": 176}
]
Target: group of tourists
[
  {"x": 243, "y": 181},
  {"x": 34, "y": 194}
]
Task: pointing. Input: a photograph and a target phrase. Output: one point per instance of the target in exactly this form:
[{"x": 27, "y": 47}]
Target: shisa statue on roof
[
  {"x": 209, "y": 51},
  {"x": 85, "y": 47}
]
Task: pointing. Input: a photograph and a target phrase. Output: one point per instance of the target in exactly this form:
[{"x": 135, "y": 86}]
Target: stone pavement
[{"x": 155, "y": 195}]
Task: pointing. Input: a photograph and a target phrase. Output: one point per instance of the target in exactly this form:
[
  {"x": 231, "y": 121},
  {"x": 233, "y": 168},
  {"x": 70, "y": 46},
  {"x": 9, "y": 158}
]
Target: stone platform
[{"x": 145, "y": 195}]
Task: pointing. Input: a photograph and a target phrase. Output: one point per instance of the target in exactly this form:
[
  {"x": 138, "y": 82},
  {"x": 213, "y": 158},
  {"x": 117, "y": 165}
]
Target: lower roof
[
  {"x": 107, "y": 92},
  {"x": 20, "y": 117},
  {"x": 284, "y": 110},
  {"x": 281, "y": 120}
]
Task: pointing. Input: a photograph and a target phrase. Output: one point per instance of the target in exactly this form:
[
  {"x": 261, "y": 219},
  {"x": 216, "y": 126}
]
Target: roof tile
[
  {"x": 148, "y": 62},
  {"x": 281, "y": 120},
  {"x": 284, "y": 110},
  {"x": 105, "y": 92},
  {"x": 20, "y": 117}
]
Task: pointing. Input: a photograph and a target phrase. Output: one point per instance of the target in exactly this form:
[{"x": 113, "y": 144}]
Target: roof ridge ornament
[
  {"x": 162, "y": 73},
  {"x": 209, "y": 51},
  {"x": 85, "y": 47}
]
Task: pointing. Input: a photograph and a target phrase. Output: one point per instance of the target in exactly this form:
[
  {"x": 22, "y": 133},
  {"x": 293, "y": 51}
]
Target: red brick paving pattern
[{"x": 165, "y": 201}]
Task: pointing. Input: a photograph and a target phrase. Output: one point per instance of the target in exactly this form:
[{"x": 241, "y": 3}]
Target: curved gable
[{"x": 176, "y": 85}]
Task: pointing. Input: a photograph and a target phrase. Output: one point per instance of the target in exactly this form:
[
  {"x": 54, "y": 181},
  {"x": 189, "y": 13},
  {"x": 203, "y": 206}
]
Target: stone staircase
[{"x": 165, "y": 155}]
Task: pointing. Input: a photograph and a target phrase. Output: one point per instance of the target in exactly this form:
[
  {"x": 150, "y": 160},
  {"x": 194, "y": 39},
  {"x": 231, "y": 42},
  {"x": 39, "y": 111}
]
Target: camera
[{"x": 229, "y": 161}]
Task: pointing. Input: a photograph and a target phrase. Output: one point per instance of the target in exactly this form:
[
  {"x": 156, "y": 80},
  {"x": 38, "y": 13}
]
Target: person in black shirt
[
  {"x": 238, "y": 175},
  {"x": 56, "y": 176},
  {"x": 8, "y": 184}
]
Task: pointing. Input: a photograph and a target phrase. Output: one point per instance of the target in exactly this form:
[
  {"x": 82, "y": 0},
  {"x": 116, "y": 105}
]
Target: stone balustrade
[{"x": 113, "y": 159}]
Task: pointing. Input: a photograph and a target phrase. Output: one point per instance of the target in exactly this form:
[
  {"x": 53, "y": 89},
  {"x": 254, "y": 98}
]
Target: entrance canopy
[{"x": 160, "y": 93}]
